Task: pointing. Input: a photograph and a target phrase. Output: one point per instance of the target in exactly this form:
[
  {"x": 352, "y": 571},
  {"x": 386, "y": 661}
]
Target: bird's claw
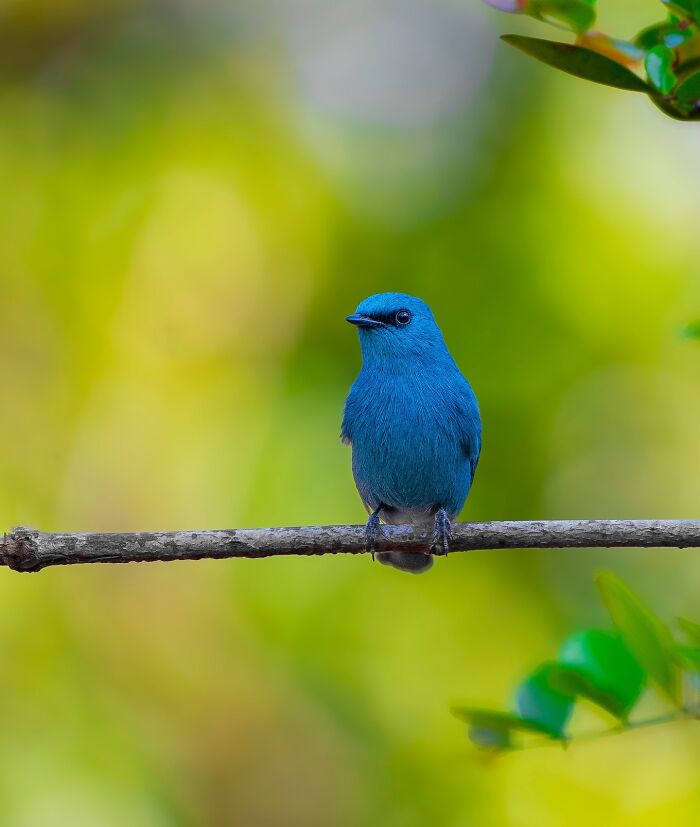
[
  {"x": 372, "y": 529},
  {"x": 442, "y": 533}
]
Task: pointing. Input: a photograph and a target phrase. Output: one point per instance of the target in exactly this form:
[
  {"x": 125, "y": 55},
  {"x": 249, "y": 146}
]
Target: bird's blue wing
[
  {"x": 349, "y": 415},
  {"x": 468, "y": 423}
]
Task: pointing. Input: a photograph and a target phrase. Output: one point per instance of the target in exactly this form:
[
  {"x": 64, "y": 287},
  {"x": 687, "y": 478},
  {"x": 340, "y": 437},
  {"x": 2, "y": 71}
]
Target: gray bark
[{"x": 25, "y": 549}]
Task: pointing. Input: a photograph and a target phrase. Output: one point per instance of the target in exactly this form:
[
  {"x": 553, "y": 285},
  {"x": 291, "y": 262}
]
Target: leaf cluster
[
  {"x": 662, "y": 61},
  {"x": 606, "y": 667}
]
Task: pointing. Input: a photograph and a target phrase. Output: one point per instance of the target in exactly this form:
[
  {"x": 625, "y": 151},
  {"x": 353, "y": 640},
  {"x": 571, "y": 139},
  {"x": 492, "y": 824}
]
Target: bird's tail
[{"x": 412, "y": 561}]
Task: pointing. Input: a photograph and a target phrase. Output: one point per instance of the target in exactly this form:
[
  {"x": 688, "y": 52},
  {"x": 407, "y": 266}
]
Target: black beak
[{"x": 362, "y": 321}]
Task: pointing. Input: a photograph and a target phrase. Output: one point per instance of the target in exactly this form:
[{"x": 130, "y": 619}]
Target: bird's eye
[{"x": 403, "y": 317}]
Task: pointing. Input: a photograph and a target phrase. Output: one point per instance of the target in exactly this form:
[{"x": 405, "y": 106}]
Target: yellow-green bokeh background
[{"x": 193, "y": 196}]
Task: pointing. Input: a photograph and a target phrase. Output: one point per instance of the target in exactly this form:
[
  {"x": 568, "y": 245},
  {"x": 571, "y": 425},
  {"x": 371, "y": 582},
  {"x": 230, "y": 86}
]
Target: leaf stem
[{"x": 691, "y": 713}]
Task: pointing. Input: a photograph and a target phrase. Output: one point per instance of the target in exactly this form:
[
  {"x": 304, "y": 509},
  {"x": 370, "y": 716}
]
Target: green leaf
[
  {"x": 540, "y": 701},
  {"x": 688, "y": 91},
  {"x": 659, "y": 65},
  {"x": 492, "y": 729},
  {"x": 575, "y": 60},
  {"x": 577, "y": 15},
  {"x": 648, "y": 638},
  {"x": 662, "y": 34},
  {"x": 691, "y": 629},
  {"x": 688, "y": 658},
  {"x": 685, "y": 8},
  {"x": 668, "y": 107},
  {"x": 608, "y": 673}
]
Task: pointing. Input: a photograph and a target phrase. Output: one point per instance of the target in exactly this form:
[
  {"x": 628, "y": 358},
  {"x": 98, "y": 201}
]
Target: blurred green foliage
[
  {"x": 608, "y": 668},
  {"x": 194, "y": 196},
  {"x": 669, "y": 51}
]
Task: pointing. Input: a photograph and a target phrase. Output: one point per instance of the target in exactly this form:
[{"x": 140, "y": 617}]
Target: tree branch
[{"x": 25, "y": 549}]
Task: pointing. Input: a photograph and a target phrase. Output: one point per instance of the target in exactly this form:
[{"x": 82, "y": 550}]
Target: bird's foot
[
  {"x": 442, "y": 533},
  {"x": 372, "y": 531}
]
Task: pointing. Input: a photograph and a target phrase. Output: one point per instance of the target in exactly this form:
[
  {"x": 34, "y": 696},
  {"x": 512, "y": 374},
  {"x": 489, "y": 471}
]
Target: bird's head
[{"x": 395, "y": 327}]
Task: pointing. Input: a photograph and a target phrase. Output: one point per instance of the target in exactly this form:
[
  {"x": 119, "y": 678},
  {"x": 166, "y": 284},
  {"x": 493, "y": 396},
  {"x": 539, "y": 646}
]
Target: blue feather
[{"x": 411, "y": 417}]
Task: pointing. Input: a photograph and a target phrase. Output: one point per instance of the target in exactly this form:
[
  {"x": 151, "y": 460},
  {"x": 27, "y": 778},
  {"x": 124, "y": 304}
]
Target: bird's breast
[{"x": 406, "y": 452}]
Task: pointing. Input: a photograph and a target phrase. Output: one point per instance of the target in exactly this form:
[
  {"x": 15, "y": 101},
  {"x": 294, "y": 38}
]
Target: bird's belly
[{"x": 420, "y": 517}]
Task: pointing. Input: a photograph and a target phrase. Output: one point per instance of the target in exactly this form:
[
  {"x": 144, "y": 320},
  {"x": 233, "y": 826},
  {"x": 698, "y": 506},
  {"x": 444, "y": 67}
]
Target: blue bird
[{"x": 413, "y": 422}]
